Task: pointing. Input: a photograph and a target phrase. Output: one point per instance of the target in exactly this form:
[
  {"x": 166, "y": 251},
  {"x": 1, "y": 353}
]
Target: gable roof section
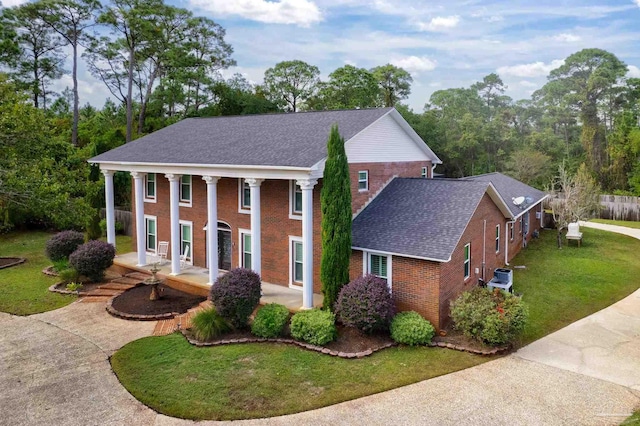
[
  {"x": 510, "y": 188},
  {"x": 277, "y": 140},
  {"x": 416, "y": 217}
]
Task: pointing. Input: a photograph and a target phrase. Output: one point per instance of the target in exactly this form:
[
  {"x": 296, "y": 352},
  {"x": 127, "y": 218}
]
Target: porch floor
[{"x": 196, "y": 278}]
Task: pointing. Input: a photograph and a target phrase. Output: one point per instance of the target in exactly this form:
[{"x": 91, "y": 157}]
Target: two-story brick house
[{"x": 258, "y": 178}]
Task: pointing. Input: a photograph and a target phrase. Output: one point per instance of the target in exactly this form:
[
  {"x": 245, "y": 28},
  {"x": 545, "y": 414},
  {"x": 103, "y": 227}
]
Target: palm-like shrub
[
  {"x": 207, "y": 324},
  {"x": 314, "y": 326},
  {"x": 493, "y": 317},
  {"x": 92, "y": 259},
  {"x": 270, "y": 320},
  {"x": 410, "y": 328},
  {"x": 235, "y": 295},
  {"x": 365, "y": 303},
  {"x": 60, "y": 246}
]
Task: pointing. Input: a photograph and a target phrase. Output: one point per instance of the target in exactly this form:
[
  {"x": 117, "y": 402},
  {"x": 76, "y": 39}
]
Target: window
[
  {"x": 150, "y": 187},
  {"x": 511, "y": 228},
  {"x": 378, "y": 266},
  {"x": 245, "y": 196},
  {"x": 363, "y": 180},
  {"x": 296, "y": 261},
  {"x": 526, "y": 223},
  {"x": 467, "y": 261},
  {"x": 185, "y": 190},
  {"x": 295, "y": 197},
  {"x": 245, "y": 250},
  {"x": 151, "y": 233},
  {"x": 497, "y": 238},
  {"x": 424, "y": 172},
  {"x": 186, "y": 240}
]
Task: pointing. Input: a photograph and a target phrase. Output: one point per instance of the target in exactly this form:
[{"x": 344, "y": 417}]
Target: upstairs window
[
  {"x": 296, "y": 199},
  {"x": 245, "y": 195},
  {"x": 497, "y": 238},
  {"x": 150, "y": 187},
  {"x": 363, "y": 180},
  {"x": 185, "y": 190},
  {"x": 467, "y": 261}
]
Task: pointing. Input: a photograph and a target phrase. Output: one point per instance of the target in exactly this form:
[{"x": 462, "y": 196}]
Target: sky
[{"x": 443, "y": 44}]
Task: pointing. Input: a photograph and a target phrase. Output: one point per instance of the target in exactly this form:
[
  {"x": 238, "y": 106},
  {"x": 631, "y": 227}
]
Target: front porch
[{"x": 195, "y": 280}]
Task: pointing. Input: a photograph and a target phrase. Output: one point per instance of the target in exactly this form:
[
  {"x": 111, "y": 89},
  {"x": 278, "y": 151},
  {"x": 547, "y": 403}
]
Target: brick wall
[
  {"x": 515, "y": 245},
  {"x": 379, "y": 174}
]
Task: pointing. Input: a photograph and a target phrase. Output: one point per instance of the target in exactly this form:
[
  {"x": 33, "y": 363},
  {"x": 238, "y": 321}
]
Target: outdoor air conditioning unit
[{"x": 503, "y": 275}]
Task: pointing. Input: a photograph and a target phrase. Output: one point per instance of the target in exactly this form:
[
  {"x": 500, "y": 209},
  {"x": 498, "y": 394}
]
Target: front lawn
[
  {"x": 562, "y": 286},
  {"x": 263, "y": 380},
  {"x": 627, "y": 223},
  {"x": 24, "y": 288}
]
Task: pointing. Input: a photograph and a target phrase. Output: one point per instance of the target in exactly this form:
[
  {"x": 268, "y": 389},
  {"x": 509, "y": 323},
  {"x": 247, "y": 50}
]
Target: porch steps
[
  {"x": 140, "y": 276},
  {"x": 115, "y": 285},
  {"x": 104, "y": 292},
  {"x": 94, "y": 299},
  {"x": 182, "y": 321},
  {"x": 132, "y": 282}
]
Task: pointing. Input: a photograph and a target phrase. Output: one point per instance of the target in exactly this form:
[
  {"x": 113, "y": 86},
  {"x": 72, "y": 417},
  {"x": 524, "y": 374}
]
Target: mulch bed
[
  {"x": 135, "y": 302},
  {"x": 6, "y": 262},
  {"x": 61, "y": 288},
  {"x": 459, "y": 341}
]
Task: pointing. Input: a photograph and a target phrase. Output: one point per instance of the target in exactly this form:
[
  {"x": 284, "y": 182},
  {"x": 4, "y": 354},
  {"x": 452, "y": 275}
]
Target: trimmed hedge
[
  {"x": 366, "y": 304},
  {"x": 493, "y": 317},
  {"x": 92, "y": 259},
  {"x": 270, "y": 320},
  {"x": 235, "y": 295},
  {"x": 314, "y": 326},
  {"x": 207, "y": 324},
  {"x": 61, "y": 245},
  {"x": 410, "y": 328}
]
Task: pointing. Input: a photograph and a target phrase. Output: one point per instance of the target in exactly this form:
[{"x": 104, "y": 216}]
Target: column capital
[
  {"x": 210, "y": 179},
  {"x": 107, "y": 173},
  {"x": 172, "y": 177},
  {"x": 137, "y": 175},
  {"x": 254, "y": 181},
  {"x": 306, "y": 183}
]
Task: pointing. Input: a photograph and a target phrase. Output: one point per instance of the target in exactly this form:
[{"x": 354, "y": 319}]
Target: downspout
[
  {"x": 507, "y": 238},
  {"x": 484, "y": 247},
  {"x": 433, "y": 168}
]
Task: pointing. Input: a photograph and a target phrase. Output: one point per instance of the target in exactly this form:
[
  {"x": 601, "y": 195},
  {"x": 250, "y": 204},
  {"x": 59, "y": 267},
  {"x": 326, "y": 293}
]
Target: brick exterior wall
[{"x": 380, "y": 174}]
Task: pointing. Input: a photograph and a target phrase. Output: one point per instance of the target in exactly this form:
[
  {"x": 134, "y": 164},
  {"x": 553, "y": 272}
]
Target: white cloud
[
  {"x": 439, "y": 23},
  {"x": 568, "y": 38},
  {"x": 637, "y": 2},
  {"x": 11, "y": 3},
  {"x": 300, "y": 12},
  {"x": 535, "y": 69},
  {"x": 634, "y": 71},
  {"x": 527, "y": 83},
  {"x": 415, "y": 64}
]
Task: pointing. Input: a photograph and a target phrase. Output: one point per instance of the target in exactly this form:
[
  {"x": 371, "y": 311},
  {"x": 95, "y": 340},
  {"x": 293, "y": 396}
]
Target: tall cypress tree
[{"x": 335, "y": 200}]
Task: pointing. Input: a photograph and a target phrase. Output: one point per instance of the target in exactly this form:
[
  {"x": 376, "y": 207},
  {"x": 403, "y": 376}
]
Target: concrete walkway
[{"x": 54, "y": 370}]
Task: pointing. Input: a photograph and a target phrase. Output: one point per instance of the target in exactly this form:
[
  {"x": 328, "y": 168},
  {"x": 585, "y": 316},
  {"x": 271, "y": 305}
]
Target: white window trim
[
  {"x": 424, "y": 173},
  {"x": 146, "y": 239},
  {"x": 184, "y": 203},
  {"x": 155, "y": 184},
  {"x": 467, "y": 260},
  {"x": 241, "y": 233},
  {"x": 292, "y": 283},
  {"x": 190, "y": 224},
  {"x": 292, "y": 201},
  {"x": 498, "y": 238},
  {"x": 366, "y": 258},
  {"x": 242, "y": 209},
  {"x": 366, "y": 180}
]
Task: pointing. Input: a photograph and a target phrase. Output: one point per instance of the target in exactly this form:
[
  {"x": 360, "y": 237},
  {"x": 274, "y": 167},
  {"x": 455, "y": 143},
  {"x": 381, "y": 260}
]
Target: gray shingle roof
[
  {"x": 295, "y": 139},
  {"x": 510, "y": 188},
  {"x": 418, "y": 217}
]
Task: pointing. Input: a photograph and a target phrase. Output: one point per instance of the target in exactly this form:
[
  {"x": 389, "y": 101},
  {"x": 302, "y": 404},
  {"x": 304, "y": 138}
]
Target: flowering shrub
[
  {"x": 60, "y": 246},
  {"x": 365, "y": 303},
  {"x": 410, "y": 328},
  {"x": 315, "y": 326},
  {"x": 493, "y": 317},
  {"x": 270, "y": 320},
  {"x": 235, "y": 295},
  {"x": 92, "y": 259}
]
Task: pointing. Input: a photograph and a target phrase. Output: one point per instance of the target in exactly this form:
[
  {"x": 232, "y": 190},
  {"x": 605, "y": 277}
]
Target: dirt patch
[
  {"x": 136, "y": 301},
  {"x": 6, "y": 262},
  {"x": 86, "y": 288},
  {"x": 458, "y": 339}
]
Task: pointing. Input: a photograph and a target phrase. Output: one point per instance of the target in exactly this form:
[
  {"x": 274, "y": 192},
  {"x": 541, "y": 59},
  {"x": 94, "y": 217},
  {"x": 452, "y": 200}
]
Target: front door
[{"x": 224, "y": 249}]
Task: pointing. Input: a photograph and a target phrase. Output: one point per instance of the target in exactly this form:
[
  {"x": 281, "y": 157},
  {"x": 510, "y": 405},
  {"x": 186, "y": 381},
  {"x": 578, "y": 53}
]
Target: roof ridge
[{"x": 283, "y": 113}]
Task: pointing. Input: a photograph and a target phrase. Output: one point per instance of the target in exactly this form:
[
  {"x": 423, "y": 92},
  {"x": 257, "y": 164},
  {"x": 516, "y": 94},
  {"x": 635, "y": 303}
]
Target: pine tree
[{"x": 335, "y": 200}]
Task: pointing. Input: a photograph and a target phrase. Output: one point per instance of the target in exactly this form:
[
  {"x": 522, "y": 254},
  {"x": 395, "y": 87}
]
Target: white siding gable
[{"x": 384, "y": 141}]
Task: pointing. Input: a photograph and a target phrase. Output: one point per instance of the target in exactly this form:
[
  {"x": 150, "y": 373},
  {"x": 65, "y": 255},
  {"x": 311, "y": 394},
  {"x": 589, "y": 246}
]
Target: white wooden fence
[{"x": 619, "y": 207}]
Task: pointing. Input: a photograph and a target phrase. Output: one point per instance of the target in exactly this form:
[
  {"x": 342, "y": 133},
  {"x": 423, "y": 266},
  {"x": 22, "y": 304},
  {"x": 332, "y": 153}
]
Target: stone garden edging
[
  {"x": 49, "y": 271},
  {"x": 137, "y": 317},
  {"x": 19, "y": 260}
]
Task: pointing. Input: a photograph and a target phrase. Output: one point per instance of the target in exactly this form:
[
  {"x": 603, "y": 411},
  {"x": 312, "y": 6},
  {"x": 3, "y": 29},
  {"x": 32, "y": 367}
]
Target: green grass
[
  {"x": 634, "y": 420},
  {"x": 24, "y": 288},
  {"x": 263, "y": 380},
  {"x": 562, "y": 286},
  {"x": 627, "y": 223}
]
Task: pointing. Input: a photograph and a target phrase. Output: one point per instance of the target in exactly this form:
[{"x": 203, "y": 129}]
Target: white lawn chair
[
  {"x": 161, "y": 252},
  {"x": 183, "y": 257},
  {"x": 573, "y": 233}
]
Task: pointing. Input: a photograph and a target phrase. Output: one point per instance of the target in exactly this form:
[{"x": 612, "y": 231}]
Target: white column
[
  {"x": 307, "y": 241},
  {"x": 174, "y": 200},
  {"x": 141, "y": 232},
  {"x": 212, "y": 226},
  {"x": 256, "y": 253},
  {"x": 110, "y": 208}
]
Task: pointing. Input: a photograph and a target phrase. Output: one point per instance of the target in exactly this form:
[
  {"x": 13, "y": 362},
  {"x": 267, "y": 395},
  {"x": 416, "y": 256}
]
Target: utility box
[{"x": 503, "y": 275}]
